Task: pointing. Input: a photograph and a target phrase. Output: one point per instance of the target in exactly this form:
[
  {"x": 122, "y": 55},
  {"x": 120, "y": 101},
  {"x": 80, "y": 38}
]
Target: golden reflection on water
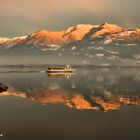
[
  {"x": 78, "y": 101},
  {"x": 67, "y": 75}
]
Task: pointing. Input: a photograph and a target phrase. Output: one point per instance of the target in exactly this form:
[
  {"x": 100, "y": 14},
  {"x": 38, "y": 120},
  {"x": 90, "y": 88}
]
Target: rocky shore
[{"x": 3, "y": 88}]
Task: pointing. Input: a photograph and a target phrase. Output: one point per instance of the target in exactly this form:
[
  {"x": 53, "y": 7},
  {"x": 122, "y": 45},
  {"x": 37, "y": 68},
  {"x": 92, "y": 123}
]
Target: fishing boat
[{"x": 60, "y": 69}]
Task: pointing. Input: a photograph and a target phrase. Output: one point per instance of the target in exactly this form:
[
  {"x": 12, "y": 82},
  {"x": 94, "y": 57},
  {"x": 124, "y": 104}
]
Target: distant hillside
[{"x": 99, "y": 45}]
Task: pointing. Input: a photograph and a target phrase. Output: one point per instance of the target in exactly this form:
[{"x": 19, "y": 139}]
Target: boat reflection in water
[{"x": 67, "y": 75}]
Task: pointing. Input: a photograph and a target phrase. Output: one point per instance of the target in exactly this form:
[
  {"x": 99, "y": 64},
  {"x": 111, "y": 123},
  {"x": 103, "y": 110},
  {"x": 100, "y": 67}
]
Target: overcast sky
[{"x": 21, "y": 17}]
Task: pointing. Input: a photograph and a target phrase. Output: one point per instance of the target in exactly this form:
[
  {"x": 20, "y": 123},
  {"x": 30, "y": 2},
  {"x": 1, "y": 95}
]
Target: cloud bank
[{"x": 19, "y": 17}]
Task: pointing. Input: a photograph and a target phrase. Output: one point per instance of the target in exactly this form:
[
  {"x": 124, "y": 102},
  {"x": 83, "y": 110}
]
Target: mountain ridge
[
  {"x": 99, "y": 45},
  {"x": 108, "y": 33}
]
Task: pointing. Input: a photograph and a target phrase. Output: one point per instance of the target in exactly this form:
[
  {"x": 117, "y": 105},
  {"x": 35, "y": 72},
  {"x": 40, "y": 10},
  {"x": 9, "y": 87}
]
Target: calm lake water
[{"x": 92, "y": 104}]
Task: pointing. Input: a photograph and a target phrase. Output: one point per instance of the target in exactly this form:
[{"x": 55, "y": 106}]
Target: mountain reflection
[
  {"x": 76, "y": 100},
  {"x": 88, "y": 89}
]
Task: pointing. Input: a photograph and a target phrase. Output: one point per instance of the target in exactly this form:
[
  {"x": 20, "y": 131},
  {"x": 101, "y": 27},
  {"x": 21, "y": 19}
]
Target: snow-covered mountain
[
  {"x": 106, "y": 32},
  {"x": 104, "y": 45}
]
